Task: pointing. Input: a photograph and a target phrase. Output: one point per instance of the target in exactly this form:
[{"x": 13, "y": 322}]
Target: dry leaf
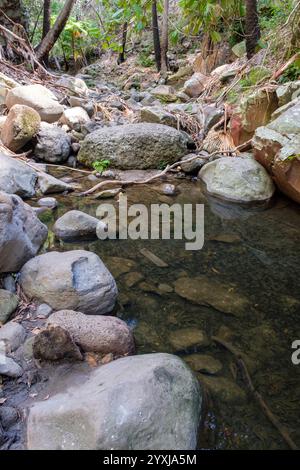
[
  {"x": 2, "y": 400},
  {"x": 91, "y": 359},
  {"x": 107, "y": 358},
  {"x": 36, "y": 331}
]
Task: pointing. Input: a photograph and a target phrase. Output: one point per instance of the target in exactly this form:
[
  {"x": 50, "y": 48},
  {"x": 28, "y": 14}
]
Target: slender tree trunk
[
  {"x": 46, "y": 17},
  {"x": 121, "y": 57},
  {"x": 156, "y": 39},
  {"x": 252, "y": 27},
  {"x": 51, "y": 37},
  {"x": 46, "y": 26},
  {"x": 165, "y": 38}
]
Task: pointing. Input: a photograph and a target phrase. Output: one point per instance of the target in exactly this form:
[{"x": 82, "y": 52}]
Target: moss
[
  {"x": 29, "y": 123},
  {"x": 255, "y": 75}
]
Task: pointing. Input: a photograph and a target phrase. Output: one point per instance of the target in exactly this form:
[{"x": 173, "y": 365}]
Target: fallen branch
[
  {"x": 285, "y": 66},
  {"x": 268, "y": 413}
]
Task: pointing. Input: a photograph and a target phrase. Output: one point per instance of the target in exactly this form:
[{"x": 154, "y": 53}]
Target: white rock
[
  {"x": 37, "y": 97},
  {"x": 237, "y": 179}
]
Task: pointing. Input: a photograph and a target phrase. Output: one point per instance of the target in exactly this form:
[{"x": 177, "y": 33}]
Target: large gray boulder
[
  {"x": 135, "y": 146},
  {"x": 53, "y": 144},
  {"x": 74, "y": 280},
  {"x": 16, "y": 177},
  {"x": 149, "y": 402},
  {"x": 21, "y": 233},
  {"x": 237, "y": 179},
  {"x": 37, "y": 97}
]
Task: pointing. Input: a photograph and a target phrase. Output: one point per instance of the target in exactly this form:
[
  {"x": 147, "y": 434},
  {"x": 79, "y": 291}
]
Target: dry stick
[
  {"x": 269, "y": 414},
  {"x": 60, "y": 167},
  {"x": 159, "y": 175},
  {"x": 285, "y": 66}
]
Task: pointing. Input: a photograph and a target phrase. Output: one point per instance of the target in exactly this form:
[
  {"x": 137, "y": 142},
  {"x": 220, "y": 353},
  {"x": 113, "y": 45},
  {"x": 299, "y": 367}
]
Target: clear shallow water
[{"x": 259, "y": 259}]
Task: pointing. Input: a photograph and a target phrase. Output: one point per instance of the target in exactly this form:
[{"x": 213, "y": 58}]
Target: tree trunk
[
  {"x": 252, "y": 27},
  {"x": 165, "y": 39},
  {"x": 156, "y": 39},
  {"x": 46, "y": 26},
  {"x": 46, "y": 18},
  {"x": 51, "y": 37},
  {"x": 121, "y": 57}
]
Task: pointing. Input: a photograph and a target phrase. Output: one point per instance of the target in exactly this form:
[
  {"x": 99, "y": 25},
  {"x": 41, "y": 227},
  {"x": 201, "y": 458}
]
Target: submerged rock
[
  {"x": 21, "y": 233},
  {"x": 8, "y": 304},
  {"x": 147, "y": 402},
  {"x": 186, "y": 338},
  {"x": 135, "y": 146},
  {"x": 236, "y": 179},
  {"x": 75, "y": 225},
  {"x": 16, "y": 177},
  {"x": 102, "y": 334},
  {"x": 205, "y": 291},
  {"x": 118, "y": 266},
  {"x": 223, "y": 389},
  {"x": 21, "y": 125},
  {"x": 76, "y": 280},
  {"x": 203, "y": 363},
  {"x": 37, "y": 97},
  {"x": 50, "y": 185}
]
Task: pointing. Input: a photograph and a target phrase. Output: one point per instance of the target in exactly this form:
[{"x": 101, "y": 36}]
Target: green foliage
[
  {"x": 144, "y": 58},
  {"x": 211, "y": 16},
  {"x": 273, "y": 13},
  {"x": 161, "y": 165},
  {"x": 255, "y": 75},
  {"x": 100, "y": 165},
  {"x": 291, "y": 73}
]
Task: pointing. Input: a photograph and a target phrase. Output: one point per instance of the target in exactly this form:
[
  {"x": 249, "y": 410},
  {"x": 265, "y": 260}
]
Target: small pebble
[
  {"x": 9, "y": 283},
  {"x": 43, "y": 311}
]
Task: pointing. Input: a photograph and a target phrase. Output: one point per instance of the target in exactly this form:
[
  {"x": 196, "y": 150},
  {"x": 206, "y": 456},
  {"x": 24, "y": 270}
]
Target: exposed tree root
[{"x": 266, "y": 410}]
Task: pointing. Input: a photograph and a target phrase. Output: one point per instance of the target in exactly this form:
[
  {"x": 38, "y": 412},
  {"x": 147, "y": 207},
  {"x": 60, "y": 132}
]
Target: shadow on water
[{"x": 255, "y": 255}]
